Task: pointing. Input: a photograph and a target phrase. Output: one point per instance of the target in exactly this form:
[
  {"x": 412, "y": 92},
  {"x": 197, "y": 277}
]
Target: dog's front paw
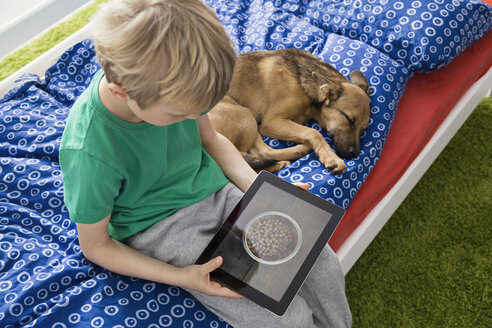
[{"x": 335, "y": 165}]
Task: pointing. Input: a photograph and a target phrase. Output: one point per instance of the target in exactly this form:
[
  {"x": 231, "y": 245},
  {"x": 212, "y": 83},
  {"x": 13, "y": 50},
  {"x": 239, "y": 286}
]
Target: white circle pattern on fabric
[
  {"x": 400, "y": 29},
  {"x": 44, "y": 279}
]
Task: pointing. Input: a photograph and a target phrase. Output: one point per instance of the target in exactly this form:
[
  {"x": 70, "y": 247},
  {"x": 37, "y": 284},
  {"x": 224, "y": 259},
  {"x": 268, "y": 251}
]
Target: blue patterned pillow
[{"x": 422, "y": 35}]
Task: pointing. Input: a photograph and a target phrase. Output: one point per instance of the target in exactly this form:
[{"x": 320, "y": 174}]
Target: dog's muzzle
[{"x": 349, "y": 153}]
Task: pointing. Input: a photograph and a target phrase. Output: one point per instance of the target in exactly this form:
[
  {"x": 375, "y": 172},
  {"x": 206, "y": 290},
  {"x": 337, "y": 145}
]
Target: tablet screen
[{"x": 270, "y": 240}]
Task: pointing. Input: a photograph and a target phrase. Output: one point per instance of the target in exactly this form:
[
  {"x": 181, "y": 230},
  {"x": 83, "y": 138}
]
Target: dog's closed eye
[{"x": 351, "y": 121}]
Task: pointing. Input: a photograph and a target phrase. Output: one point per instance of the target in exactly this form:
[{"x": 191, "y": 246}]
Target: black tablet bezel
[{"x": 277, "y": 307}]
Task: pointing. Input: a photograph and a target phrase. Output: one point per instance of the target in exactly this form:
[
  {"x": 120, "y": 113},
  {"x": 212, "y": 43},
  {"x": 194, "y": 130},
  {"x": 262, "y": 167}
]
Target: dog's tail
[{"x": 258, "y": 163}]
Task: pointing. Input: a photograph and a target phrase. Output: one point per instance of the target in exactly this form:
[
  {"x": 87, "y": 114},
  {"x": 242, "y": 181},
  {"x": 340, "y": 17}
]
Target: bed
[{"x": 428, "y": 63}]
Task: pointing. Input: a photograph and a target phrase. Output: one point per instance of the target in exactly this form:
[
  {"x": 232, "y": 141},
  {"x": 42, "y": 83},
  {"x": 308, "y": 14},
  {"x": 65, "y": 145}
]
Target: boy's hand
[
  {"x": 301, "y": 185},
  {"x": 197, "y": 277}
]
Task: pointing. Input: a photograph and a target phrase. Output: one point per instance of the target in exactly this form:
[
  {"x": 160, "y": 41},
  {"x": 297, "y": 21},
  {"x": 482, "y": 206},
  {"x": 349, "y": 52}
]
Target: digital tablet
[{"x": 271, "y": 240}]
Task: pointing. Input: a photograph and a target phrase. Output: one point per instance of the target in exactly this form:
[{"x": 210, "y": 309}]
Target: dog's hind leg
[
  {"x": 269, "y": 165},
  {"x": 277, "y": 166},
  {"x": 258, "y": 163},
  {"x": 262, "y": 150}
]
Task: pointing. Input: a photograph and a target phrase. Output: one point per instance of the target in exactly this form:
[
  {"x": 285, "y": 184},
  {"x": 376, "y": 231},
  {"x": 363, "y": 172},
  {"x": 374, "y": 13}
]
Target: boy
[{"x": 145, "y": 173}]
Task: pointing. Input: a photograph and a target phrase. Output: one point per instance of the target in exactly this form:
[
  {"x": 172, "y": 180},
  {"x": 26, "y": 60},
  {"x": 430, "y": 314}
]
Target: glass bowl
[{"x": 272, "y": 238}]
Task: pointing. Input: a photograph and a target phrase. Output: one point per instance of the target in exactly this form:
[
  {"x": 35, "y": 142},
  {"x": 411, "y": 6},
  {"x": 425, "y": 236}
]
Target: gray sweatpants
[{"x": 180, "y": 239}]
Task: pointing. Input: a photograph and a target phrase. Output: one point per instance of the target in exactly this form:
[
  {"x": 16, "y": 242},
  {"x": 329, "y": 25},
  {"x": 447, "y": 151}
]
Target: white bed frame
[{"x": 357, "y": 242}]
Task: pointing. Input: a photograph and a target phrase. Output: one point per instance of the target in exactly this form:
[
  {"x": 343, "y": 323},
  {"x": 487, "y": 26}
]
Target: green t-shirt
[{"x": 138, "y": 172}]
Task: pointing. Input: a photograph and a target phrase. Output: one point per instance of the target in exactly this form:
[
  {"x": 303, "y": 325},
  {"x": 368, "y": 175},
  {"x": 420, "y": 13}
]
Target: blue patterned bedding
[{"x": 44, "y": 279}]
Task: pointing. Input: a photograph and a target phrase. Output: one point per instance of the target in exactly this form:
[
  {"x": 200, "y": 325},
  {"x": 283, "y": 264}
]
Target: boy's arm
[
  {"x": 99, "y": 248},
  {"x": 226, "y": 155}
]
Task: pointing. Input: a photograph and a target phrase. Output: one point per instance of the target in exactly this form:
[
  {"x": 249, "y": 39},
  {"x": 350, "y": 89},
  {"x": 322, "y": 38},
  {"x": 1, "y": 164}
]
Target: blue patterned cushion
[{"x": 421, "y": 35}]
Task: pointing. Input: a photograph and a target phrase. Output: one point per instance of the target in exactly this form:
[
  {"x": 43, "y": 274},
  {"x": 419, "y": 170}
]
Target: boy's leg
[
  {"x": 321, "y": 301},
  {"x": 180, "y": 239},
  {"x": 324, "y": 292},
  {"x": 243, "y": 313}
]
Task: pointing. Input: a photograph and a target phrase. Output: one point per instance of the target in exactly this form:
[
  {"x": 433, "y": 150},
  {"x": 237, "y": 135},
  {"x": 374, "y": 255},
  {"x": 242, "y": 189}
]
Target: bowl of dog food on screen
[{"x": 272, "y": 238}]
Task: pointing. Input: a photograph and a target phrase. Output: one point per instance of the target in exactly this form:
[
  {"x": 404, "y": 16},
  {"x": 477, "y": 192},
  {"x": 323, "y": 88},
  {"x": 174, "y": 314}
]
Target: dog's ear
[
  {"x": 328, "y": 89},
  {"x": 360, "y": 80},
  {"x": 331, "y": 90}
]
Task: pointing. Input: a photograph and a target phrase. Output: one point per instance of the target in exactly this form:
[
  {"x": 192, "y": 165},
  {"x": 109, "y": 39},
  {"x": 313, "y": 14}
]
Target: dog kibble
[{"x": 271, "y": 238}]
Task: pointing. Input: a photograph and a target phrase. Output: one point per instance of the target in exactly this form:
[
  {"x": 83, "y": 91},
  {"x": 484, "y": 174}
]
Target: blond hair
[{"x": 170, "y": 51}]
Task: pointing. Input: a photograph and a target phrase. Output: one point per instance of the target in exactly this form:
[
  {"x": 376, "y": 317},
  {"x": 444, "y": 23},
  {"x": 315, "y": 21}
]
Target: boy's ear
[{"x": 118, "y": 92}]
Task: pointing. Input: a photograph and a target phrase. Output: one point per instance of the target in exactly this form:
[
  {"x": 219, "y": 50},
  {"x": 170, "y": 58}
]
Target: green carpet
[{"x": 431, "y": 264}]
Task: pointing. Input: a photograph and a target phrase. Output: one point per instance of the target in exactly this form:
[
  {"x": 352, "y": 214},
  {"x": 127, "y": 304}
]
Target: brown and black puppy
[{"x": 282, "y": 90}]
